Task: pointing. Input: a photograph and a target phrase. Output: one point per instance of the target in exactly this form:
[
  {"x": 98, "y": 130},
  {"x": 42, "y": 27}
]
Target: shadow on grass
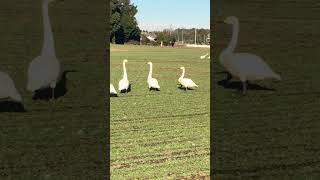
[
  {"x": 221, "y": 72},
  {"x": 237, "y": 85},
  {"x": 60, "y": 90},
  {"x": 113, "y": 95},
  {"x": 9, "y": 106},
  {"x": 154, "y": 89},
  {"x": 184, "y": 89}
]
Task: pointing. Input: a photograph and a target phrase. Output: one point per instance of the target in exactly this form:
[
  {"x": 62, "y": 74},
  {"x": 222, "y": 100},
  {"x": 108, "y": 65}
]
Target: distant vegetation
[
  {"x": 186, "y": 36},
  {"x": 124, "y": 26}
]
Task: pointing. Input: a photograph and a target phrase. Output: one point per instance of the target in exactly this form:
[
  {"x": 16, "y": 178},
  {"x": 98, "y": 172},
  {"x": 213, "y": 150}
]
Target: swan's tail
[{"x": 277, "y": 77}]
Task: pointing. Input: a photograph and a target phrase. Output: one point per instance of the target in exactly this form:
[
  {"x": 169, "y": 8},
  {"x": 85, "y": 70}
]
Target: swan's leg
[
  {"x": 244, "y": 87},
  {"x": 52, "y": 93},
  {"x": 229, "y": 77},
  {"x": 53, "y": 86}
]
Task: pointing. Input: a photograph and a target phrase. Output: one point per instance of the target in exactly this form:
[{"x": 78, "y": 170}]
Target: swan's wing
[
  {"x": 153, "y": 83},
  {"x": 112, "y": 89},
  {"x": 188, "y": 83},
  {"x": 251, "y": 66},
  {"x": 123, "y": 84},
  {"x": 8, "y": 89},
  {"x": 42, "y": 71}
]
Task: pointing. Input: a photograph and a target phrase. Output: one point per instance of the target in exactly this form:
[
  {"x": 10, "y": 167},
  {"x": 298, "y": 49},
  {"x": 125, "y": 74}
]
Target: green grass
[
  {"x": 161, "y": 134},
  {"x": 64, "y": 140},
  {"x": 270, "y": 134}
]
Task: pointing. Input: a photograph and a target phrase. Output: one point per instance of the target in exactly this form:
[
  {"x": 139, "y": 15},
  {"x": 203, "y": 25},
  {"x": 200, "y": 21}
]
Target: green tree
[{"x": 124, "y": 26}]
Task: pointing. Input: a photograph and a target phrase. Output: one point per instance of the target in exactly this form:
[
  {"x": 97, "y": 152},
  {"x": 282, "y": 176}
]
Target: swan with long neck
[
  {"x": 44, "y": 70},
  {"x": 113, "y": 92},
  {"x": 124, "y": 82},
  {"x": 152, "y": 82},
  {"x": 185, "y": 82},
  {"x": 8, "y": 91},
  {"x": 243, "y": 66},
  {"x": 204, "y": 56}
]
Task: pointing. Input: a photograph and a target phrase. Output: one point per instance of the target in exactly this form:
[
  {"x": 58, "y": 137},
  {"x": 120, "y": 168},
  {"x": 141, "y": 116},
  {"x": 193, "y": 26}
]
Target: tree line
[{"x": 186, "y": 36}]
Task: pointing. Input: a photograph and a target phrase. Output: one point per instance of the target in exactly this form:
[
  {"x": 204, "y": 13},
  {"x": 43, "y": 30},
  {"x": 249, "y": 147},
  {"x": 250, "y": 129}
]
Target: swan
[
  {"x": 8, "y": 91},
  {"x": 185, "y": 82},
  {"x": 152, "y": 82},
  {"x": 44, "y": 70},
  {"x": 204, "y": 56},
  {"x": 113, "y": 91},
  {"x": 209, "y": 57},
  {"x": 243, "y": 66},
  {"x": 124, "y": 82}
]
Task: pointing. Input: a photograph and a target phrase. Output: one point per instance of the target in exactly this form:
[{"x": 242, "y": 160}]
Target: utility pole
[
  {"x": 178, "y": 34},
  {"x": 182, "y": 36},
  {"x": 195, "y": 36}
]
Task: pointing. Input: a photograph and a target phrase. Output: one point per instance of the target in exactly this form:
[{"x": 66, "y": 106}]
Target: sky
[{"x": 160, "y": 14}]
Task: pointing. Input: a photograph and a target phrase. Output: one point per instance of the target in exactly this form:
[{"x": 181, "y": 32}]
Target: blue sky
[{"x": 160, "y": 14}]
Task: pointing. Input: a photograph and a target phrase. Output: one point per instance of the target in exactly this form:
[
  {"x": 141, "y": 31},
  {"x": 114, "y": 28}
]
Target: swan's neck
[
  {"x": 48, "y": 41},
  {"x": 150, "y": 72},
  {"x": 233, "y": 43},
  {"x": 125, "y": 76},
  {"x": 182, "y": 75}
]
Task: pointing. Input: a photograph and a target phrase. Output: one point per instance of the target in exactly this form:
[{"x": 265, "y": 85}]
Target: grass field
[
  {"x": 165, "y": 134},
  {"x": 64, "y": 140},
  {"x": 269, "y": 134}
]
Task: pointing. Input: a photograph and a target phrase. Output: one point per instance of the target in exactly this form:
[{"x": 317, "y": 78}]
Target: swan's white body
[
  {"x": 244, "y": 66},
  {"x": 124, "y": 82},
  {"x": 112, "y": 90},
  {"x": 204, "y": 56},
  {"x": 8, "y": 91},
  {"x": 208, "y": 57},
  {"x": 185, "y": 82},
  {"x": 152, "y": 82},
  {"x": 44, "y": 70},
  {"x": 151, "y": 38}
]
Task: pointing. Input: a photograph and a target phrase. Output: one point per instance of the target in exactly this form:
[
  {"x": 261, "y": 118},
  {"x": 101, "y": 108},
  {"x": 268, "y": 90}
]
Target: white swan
[
  {"x": 208, "y": 57},
  {"x": 185, "y": 82},
  {"x": 113, "y": 91},
  {"x": 8, "y": 91},
  {"x": 243, "y": 66},
  {"x": 44, "y": 70},
  {"x": 124, "y": 82},
  {"x": 152, "y": 82},
  {"x": 204, "y": 56}
]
